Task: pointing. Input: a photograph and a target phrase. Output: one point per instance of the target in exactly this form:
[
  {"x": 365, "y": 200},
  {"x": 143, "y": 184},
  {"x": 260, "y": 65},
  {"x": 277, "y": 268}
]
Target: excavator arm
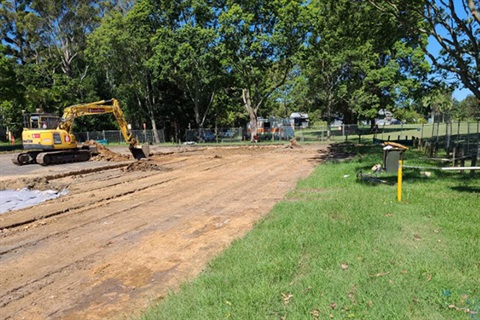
[{"x": 103, "y": 107}]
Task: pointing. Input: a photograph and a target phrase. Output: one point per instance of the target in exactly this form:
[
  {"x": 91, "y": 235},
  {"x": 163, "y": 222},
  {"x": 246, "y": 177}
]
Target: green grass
[{"x": 338, "y": 248}]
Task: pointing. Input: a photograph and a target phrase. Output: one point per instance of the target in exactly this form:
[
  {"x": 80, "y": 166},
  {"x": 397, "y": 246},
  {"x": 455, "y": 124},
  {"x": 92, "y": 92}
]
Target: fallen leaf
[
  {"x": 287, "y": 297},
  {"x": 466, "y": 310},
  {"x": 352, "y": 293},
  {"x": 333, "y": 305},
  {"x": 378, "y": 275},
  {"x": 315, "y": 313},
  {"x": 344, "y": 266},
  {"x": 388, "y": 215}
]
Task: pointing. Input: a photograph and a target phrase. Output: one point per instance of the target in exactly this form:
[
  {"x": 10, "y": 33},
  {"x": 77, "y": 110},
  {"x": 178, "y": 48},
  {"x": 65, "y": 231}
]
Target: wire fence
[
  {"x": 447, "y": 136},
  {"x": 115, "y": 136}
]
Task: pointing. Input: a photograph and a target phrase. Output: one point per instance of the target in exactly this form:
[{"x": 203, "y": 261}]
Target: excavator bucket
[{"x": 140, "y": 152}]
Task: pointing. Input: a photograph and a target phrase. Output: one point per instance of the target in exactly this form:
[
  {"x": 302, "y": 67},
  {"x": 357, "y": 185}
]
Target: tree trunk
[
  {"x": 151, "y": 116},
  {"x": 156, "y": 138},
  {"x": 251, "y": 113}
]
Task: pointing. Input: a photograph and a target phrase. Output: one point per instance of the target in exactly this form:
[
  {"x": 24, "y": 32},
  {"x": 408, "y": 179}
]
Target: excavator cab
[{"x": 41, "y": 121}]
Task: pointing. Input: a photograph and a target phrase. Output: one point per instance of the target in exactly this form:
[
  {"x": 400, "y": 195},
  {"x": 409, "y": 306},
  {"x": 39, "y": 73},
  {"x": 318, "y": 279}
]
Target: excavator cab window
[
  {"x": 49, "y": 122},
  {"x": 56, "y": 138},
  {"x": 42, "y": 121},
  {"x": 34, "y": 122}
]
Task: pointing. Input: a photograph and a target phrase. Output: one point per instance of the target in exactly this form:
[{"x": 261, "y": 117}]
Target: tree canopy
[{"x": 203, "y": 63}]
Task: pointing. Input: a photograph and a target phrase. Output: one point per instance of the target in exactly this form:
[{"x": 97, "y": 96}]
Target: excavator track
[
  {"x": 25, "y": 158},
  {"x": 58, "y": 157}
]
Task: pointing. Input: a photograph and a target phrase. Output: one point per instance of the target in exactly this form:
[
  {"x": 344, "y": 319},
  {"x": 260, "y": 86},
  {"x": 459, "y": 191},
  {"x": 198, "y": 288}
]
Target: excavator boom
[{"x": 102, "y": 107}]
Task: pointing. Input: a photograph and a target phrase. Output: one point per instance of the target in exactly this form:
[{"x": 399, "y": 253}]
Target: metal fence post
[
  {"x": 447, "y": 142},
  {"x": 458, "y": 131},
  {"x": 468, "y": 137}
]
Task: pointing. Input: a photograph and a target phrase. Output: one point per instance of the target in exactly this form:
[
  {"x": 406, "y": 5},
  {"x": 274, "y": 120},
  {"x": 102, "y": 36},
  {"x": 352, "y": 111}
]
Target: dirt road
[{"x": 128, "y": 231}]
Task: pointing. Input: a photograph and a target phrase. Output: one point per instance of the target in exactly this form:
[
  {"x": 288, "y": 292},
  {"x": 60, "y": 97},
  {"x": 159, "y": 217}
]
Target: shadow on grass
[
  {"x": 372, "y": 179},
  {"x": 368, "y": 155},
  {"x": 466, "y": 189},
  {"x": 338, "y": 152}
]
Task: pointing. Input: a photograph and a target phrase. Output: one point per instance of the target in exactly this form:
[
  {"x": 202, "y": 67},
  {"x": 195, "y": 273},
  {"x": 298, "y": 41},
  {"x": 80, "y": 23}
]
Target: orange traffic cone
[{"x": 13, "y": 139}]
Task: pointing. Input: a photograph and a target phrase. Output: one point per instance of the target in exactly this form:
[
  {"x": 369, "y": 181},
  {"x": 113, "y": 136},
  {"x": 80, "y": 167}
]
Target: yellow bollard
[{"x": 399, "y": 181}]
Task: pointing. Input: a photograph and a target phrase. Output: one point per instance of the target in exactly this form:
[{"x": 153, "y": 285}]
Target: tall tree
[
  {"x": 187, "y": 52},
  {"x": 124, "y": 49},
  {"x": 469, "y": 108},
  {"x": 260, "y": 39},
  {"x": 11, "y": 93},
  {"x": 438, "y": 101},
  {"x": 359, "y": 61},
  {"x": 48, "y": 39},
  {"x": 454, "y": 26}
]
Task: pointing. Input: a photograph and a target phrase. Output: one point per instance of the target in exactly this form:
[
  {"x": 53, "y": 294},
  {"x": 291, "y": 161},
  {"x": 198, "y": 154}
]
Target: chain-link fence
[
  {"x": 115, "y": 136},
  {"x": 449, "y": 136},
  {"x": 448, "y": 141},
  {"x": 229, "y": 135}
]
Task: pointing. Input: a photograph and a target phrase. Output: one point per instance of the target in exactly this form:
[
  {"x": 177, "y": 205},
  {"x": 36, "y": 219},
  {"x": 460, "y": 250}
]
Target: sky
[{"x": 460, "y": 93}]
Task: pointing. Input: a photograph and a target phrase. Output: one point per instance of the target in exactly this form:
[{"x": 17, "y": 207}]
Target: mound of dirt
[
  {"x": 40, "y": 183},
  {"x": 293, "y": 144},
  {"x": 143, "y": 166},
  {"x": 105, "y": 154}
]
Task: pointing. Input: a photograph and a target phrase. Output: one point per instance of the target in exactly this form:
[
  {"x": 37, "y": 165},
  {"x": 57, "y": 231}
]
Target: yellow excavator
[{"x": 48, "y": 139}]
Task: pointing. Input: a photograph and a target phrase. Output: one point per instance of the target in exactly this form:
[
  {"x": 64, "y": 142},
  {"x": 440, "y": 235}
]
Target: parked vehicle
[
  {"x": 209, "y": 136},
  {"x": 385, "y": 122}
]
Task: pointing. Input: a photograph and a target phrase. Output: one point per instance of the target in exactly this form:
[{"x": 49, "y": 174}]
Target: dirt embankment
[
  {"x": 104, "y": 153},
  {"x": 124, "y": 236}
]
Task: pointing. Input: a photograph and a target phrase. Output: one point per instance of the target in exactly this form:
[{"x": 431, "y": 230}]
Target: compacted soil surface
[{"x": 127, "y": 232}]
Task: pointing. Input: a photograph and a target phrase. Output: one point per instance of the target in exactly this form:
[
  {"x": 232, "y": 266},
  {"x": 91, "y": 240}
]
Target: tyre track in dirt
[
  {"x": 132, "y": 248},
  {"x": 110, "y": 183},
  {"x": 79, "y": 207}
]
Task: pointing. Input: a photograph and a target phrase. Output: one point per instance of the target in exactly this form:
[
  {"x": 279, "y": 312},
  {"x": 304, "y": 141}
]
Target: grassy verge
[{"x": 337, "y": 248}]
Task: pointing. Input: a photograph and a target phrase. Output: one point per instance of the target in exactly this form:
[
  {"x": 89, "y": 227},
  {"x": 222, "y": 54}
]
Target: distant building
[{"x": 300, "y": 119}]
